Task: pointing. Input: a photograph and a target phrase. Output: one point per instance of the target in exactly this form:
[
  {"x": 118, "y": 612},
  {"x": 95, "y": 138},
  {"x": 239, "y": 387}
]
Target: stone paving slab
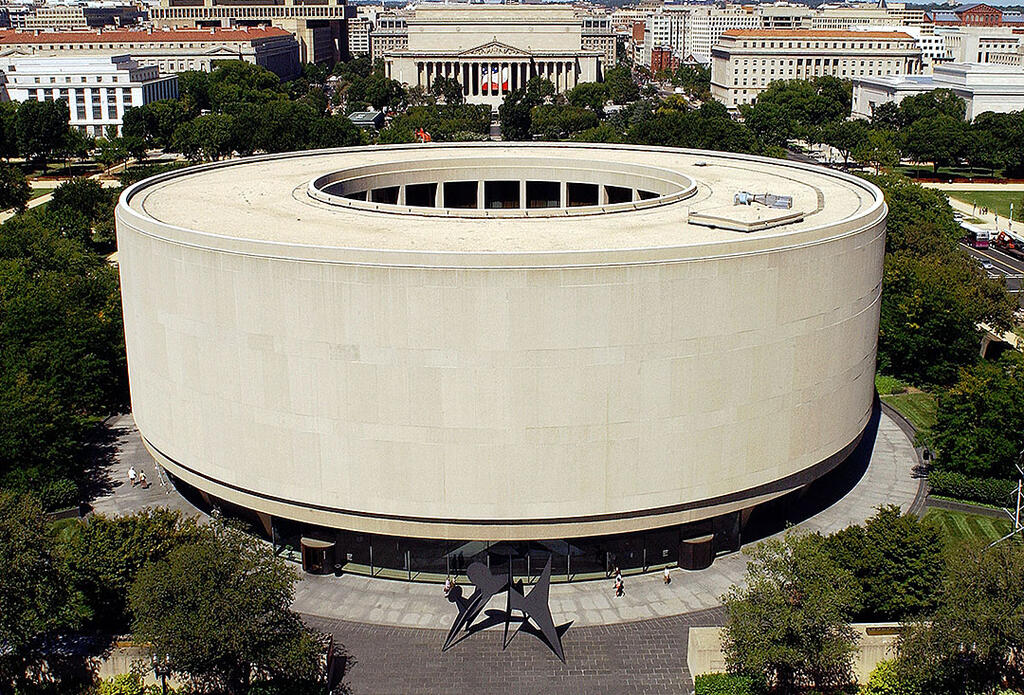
[{"x": 641, "y": 657}]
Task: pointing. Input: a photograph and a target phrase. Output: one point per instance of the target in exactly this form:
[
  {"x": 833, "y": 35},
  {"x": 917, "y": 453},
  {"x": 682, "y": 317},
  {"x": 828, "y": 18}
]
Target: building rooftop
[
  {"x": 815, "y": 34},
  {"x": 12, "y": 36},
  {"x": 285, "y": 203}
]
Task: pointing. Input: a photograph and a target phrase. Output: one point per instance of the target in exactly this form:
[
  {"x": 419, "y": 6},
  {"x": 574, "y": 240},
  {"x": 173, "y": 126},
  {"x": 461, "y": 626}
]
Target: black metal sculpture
[{"x": 533, "y": 606}]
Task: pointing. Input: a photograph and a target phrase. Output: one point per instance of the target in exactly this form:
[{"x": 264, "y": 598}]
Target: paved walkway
[{"x": 642, "y": 658}]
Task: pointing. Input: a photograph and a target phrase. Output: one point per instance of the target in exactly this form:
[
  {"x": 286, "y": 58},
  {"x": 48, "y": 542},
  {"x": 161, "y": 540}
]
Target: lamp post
[{"x": 162, "y": 669}]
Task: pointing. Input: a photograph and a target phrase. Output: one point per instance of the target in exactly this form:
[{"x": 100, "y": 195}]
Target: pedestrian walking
[
  {"x": 448, "y": 585},
  {"x": 620, "y": 587},
  {"x": 666, "y": 576},
  {"x": 133, "y": 477},
  {"x": 142, "y": 479}
]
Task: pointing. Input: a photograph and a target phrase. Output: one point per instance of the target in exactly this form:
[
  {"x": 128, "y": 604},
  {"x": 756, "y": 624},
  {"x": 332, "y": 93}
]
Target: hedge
[
  {"x": 962, "y": 487},
  {"x": 723, "y": 684}
]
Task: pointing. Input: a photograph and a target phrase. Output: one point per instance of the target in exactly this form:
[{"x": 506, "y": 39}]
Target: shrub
[
  {"x": 962, "y": 487},
  {"x": 125, "y": 684},
  {"x": 885, "y": 680},
  {"x": 888, "y": 385},
  {"x": 723, "y": 684},
  {"x": 58, "y": 494}
]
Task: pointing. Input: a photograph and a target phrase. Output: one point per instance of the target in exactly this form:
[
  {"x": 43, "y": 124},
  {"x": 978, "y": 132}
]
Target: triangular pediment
[{"x": 494, "y": 48}]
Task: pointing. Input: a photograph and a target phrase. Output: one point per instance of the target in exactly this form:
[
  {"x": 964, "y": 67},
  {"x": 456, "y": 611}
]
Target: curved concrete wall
[{"x": 501, "y": 402}]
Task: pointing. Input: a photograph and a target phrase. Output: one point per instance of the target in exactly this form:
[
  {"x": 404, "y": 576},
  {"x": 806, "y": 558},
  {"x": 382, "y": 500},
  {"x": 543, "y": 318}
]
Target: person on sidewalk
[
  {"x": 133, "y": 477},
  {"x": 666, "y": 576}
]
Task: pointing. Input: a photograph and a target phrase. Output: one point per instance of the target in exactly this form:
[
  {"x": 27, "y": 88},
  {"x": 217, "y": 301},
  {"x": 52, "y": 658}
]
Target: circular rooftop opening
[{"x": 502, "y": 186}]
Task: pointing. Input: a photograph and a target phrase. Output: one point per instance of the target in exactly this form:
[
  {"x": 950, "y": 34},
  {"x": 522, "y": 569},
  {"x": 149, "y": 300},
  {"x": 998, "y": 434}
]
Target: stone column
[
  {"x": 563, "y": 194},
  {"x": 522, "y": 194},
  {"x": 480, "y": 194},
  {"x": 439, "y": 195}
]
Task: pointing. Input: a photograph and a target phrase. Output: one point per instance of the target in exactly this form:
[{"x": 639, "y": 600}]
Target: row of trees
[
  {"x": 62, "y": 366},
  {"x": 240, "y": 108},
  {"x": 211, "y": 600},
  {"x": 788, "y": 626}
]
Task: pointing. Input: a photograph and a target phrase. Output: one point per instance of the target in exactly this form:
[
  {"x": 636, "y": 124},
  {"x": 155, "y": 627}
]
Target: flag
[
  {"x": 504, "y": 78},
  {"x": 494, "y": 78}
]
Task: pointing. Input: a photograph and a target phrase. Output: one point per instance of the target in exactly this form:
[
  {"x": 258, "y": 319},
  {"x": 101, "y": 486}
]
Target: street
[{"x": 1003, "y": 265}]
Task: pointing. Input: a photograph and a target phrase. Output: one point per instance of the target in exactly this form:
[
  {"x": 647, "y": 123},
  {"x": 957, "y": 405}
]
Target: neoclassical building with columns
[{"x": 492, "y": 50}]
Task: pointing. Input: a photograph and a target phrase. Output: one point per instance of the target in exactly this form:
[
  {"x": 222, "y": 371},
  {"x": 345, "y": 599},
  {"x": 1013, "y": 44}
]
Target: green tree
[
  {"x": 62, "y": 366},
  {"x": 789, "y": 621},
  {"x": 205, "y": 137},
  {"x": 808, "y": 103},
  {"x": 555, "y": 121},
  {"x": 8, "y": 129},
  {"x": 694, "y": 79},
  {"x": 236, "y": 81},
  {"x": 589, "y": 95},
  {"x": 194, "y": 91},
  {"x": 887, "y": 116},
  {"x": 940, "y": 139},
  {"x": 845, "y": 136},
  {"x": 878, "y": 150},
  {"x": 34, "y": 592},
  {"x": 897, "y": 560},
  {"x": 14, "y": 189},
  {"x": 980, "y": 420},
  {"x": 218, "y": 607},
  {"x": 773, "y": 124},
  {"x": 885, "y": 679},
  {"x": 514, "y": 116},
  {"x": 111, "y": 151},
  {"x": 449, "y": 90},
  {"x": 105, "y": 554},
  {"x": 42, "y": 128},
  {"x": 622, "y": 88},
  {"x": 973, "y": 641},
  {"x": 938, "y": 102}
]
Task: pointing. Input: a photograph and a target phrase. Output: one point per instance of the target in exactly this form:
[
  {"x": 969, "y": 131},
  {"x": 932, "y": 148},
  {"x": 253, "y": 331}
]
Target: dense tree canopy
[
  {"x": 218, "y": 607},
  {"x": 104, "y": 555},
  {"x": 42, "y": 128},
  {"x": 897, "y": 560},
  {"x": 933, "y": 293},
  {"x": 980, "y": 420},
  {"x": 33, "y": 592},
  {"x": 789, "y": 622},
  {"x": 62, "y": 362},
  {"x": 973, "y": 642}
]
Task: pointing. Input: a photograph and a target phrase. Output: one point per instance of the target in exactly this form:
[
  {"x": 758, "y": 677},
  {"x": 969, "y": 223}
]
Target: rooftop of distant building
[
  {"x": 815, "y": 34},
  {"x": 17, "y": 36}
]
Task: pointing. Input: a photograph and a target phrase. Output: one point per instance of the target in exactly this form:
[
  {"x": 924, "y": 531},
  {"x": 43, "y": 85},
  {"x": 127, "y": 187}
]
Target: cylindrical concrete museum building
[{"x": 428, "y": 354}]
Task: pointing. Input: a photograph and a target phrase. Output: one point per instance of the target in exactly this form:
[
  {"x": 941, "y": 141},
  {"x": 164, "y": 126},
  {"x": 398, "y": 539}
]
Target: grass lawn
[
  {"x": 918, "y": 407},
  {"x": 996, "y": 201},
  {"x": 959, "y": 525},
  {"x": 36, "y": 192}
]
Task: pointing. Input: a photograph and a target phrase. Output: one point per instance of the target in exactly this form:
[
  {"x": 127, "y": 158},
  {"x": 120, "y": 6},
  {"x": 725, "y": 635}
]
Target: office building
[
  {"x": 744, "y": 63},
  {"x": 98, "y": 89}
]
